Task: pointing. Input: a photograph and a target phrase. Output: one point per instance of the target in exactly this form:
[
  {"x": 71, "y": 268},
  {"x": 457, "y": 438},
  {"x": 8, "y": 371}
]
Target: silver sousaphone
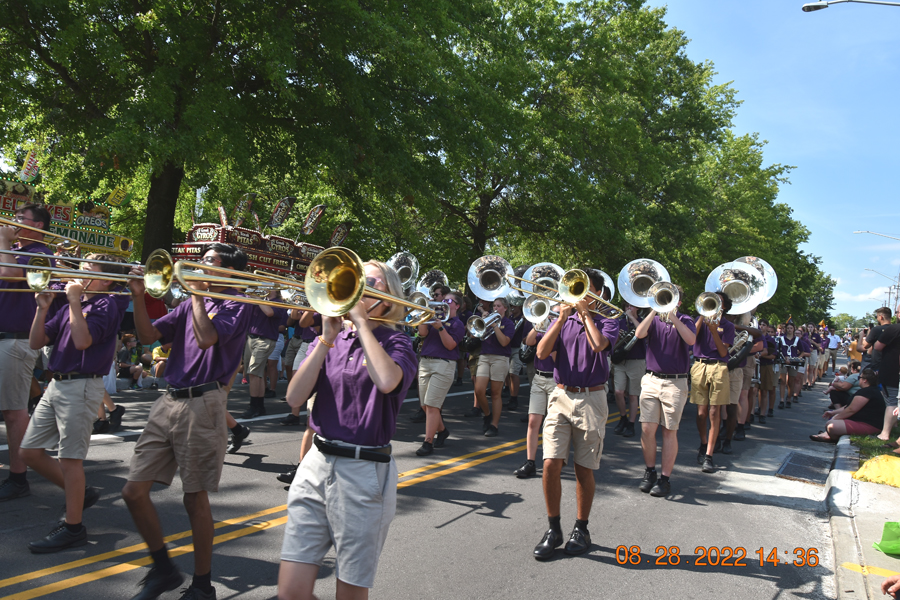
[
  {"x": 637, "y": 278},
  {"x": 767, "y": 271},
  {"x": 407, "y": 267},
  {"x": 742, "y": 283},
  {"x": 489, "y": 276},
  {"x": 431, "y": 281}
]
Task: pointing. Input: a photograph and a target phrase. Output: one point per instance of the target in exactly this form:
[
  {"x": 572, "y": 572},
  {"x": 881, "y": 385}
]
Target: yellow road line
[
  {"x": 498, "y": 451},
  {"x": 864, "y": 570},
  {"x": 130, "y": 549},
  {"x": 134, "y": 564}
]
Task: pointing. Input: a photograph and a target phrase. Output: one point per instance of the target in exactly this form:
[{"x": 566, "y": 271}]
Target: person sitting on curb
[
  {"x": 128, "y": 361},
  {"x": 842, "y": 389},
  {"x": 864, "y": 415}
]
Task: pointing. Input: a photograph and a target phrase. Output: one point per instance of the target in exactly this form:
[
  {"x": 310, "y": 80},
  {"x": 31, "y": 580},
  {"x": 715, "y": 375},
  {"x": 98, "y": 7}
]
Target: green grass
[{"x": 870, "y": 446}]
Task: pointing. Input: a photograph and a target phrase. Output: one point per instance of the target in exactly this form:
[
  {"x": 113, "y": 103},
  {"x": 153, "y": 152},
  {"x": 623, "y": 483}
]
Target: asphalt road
[{"x": 465, "y": 526}]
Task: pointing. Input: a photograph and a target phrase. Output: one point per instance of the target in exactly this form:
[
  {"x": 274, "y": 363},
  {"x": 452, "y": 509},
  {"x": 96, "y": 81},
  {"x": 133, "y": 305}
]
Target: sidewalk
[{"x": 858, "y": 511}]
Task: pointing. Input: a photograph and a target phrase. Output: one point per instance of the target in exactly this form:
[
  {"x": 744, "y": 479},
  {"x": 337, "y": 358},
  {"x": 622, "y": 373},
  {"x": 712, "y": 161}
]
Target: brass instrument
[
  {"x": 637, "y": 278},
  {"x": 709, "y": 305},
  {"x": 66, "y": 242},
  {"x": 663, "y": 297},
  {"x": 744, "y": 285},
  {"x": 407, "y": 267},
  {"x": 336, "y": 281},
  {"x": 431, "y": 281},
  {"x": 482, "y": 328},
  {"x": 441, "y": 310},
  {"x": 537, "y": 310},
  {"x": 575, "y": 285}
]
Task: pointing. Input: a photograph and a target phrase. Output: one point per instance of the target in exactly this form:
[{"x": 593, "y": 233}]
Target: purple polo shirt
[
  {"x": 348, "y": 406},
  {"x": 519, "y": 334},
  {"x": 492, "y": 346},
  {"x": 787, "y": 349},
  {"x": 264, "y": 326},
  {"x": 752, "y": 342},
  {"x": 771, "y": 348},
  {"x": 546, "y": 364},
  {"x": 817, "y": 339},
  {"x": 433, "y": 347},
  {"x": 17, "y": 309},
  {"x": 639, "y": 350},
  {"x": 577, "y": 365},
  {"x": 705, "y": 347},
  {"x": 309, "y": 334},
  {"x": 188, "y": 365},
  {"x": 103, "y": 315},
  {"x": 666, "y": 351}
]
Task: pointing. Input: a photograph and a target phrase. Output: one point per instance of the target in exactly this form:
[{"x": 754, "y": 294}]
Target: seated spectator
[
  {"x": 129, "y": 361},
  {"x": 842, "y": 389},
  {"x": 864, "y": 415},
  {"x": 160, "y": 356}
]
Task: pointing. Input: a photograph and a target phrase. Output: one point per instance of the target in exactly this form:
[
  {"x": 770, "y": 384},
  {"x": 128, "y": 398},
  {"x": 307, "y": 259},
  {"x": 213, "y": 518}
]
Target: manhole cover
[{"x": 804, "y": 467}]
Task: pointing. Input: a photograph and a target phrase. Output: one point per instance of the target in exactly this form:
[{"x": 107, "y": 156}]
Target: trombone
[
  {"x": 38, "y": 273},
  {"x": 4, "y": 222},
  {"x": 336, "y": 281}
]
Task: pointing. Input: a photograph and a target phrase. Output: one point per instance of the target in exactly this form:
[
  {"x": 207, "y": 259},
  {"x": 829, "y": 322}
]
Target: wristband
[{"x": 326, "y": 344}]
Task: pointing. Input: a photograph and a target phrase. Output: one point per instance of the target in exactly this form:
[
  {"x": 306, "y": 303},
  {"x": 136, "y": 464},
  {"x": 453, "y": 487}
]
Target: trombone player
[{"x": 17, "y": 359}]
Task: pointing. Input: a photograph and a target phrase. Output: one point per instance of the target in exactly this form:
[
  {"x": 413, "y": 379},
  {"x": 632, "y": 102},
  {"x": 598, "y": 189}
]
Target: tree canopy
[{"x": 578, "y": 133}]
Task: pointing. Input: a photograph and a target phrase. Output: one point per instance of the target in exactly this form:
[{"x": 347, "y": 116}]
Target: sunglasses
[
  {"x": 449, "y": 301},
  {"x": 372, "y": 281},
  {"x": 210, "y": 260}
]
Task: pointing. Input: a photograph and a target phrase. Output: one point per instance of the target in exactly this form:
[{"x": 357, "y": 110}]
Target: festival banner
[
  {"x": 281, "y": 211},
  {"x": 243, "y": 205},
  {"x": 223, "y": 218},
  {"x": 256, "y": 220},
  {"x": 118, "y": 197},
  {"x": 30, "y": 168},
  {"x": 313, "y": 218},
  {"x": 340, "y": 234}
]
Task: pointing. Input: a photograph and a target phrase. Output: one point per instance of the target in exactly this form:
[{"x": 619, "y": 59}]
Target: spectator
[
  {"x": 129, "y": 361},
  {"x": 160, "y": 358},
  {"x": 864, "y": 415},
  {"x": 842, "y": 390}
]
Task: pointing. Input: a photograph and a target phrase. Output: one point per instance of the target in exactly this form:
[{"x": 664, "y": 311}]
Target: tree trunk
[{"x": 161, "y": 202}]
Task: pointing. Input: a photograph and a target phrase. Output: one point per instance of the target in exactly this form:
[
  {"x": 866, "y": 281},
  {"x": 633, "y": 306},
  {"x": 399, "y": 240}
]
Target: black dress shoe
[
  {"x": 426, "y": 449},
  {"x": 526, "y": 470},
  {"x": 288, "y": 477},
  {"x": 726, "y": 447},
  {"x": 270, "y": 394},
  {"x": 661, "y": 489},
  {"x": 513, "y": 405},
  {"x": 115, "y": 417},
  {"x": 101, "y": 426},
  {"x": 629, "y": 430},
  {"x": 237, "y": 440},
  {"x": 157, "y": 582},
  {"x": 486, "y": 422},
  {"x": 620, "y": 426},
  {"x": 419, "y": 417},
  {"x": 291, "y": 419},
  {"x": 550, "y": 542},
  {"x": 441, "y": 437},
  {"x": 579, "y": 542},
  {"x": 59, "y": 539},
  {"x": 473, "y": 412},
  {"x": 648, "y": 481}
]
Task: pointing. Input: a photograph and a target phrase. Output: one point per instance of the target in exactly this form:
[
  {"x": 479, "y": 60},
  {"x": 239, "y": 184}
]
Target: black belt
[
  {"x": 710, "y": 361},
  {"x": 669, "y": 375},
  {"x": 67, "y": 376},
  {"x": 193, "y": 392},
  {"x": 543, "y": 373},
  {"x": 436, "y": 358},
  {"x": 382, "y": 455},
  {"x": 14, "y": 335}
]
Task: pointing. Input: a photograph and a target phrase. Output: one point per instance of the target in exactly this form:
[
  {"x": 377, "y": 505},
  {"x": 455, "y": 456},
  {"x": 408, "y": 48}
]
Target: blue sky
[{"x": 822, "y": 88}]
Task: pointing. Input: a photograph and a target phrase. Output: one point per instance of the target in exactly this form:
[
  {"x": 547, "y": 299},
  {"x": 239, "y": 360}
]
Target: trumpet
[
  {"x": 335, "y": 282},
  {"x": 709, "y": 305},
  {"x": 482, "y": 328}
]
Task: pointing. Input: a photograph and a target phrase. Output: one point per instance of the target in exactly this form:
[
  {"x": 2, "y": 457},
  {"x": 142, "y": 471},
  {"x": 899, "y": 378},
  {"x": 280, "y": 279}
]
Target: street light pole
[
  {"x": 881, "y": 234},
  {"x": 814, "y": 6}
]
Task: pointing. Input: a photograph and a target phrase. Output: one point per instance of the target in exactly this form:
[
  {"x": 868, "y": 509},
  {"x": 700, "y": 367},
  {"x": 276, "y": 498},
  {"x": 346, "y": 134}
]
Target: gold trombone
[
  {"x": 336, "y": 281},
  {"x": 4, "y": 222},
  {"x": 38, "y": 273}
]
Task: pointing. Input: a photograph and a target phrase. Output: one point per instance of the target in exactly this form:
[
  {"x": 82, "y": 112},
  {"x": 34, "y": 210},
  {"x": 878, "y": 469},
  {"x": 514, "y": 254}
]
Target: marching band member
[
  {"x": 493, "y": 366},
  {"x": 437, "y": 367},
  {"x": 664, "y": 390},
  {"x": 628, "y": 375},
  {"x": 791, "y": 346},
  {"x": 710, "y": 383},
  {"x": 186, "y": 426},
  {"x": 84, "y": 342},
  {"x": 345, "y": 490},
  {"x": 542, "y": 386},
  {"x": 17, "y": 358},
  {"x": 576, "y": 413},
  {"x": 516, "y": 366},
  {"x": 262, "y": 338}
]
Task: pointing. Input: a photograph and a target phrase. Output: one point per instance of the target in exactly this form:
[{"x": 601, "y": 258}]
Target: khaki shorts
[
  {"x": 663, "y": 400},
  {"x": 342, "y": 501},
  {"x": 541, "y": 388},
  {"x": 630, "y": 373},
  {"x": 813, "y": 360},
  {"x": 749, "y": 371},
  {"x": 188, "y": 434},
  {"x": 766, "y": 377},
  {"x": 710, "y": 384},
  {"x": 735, "y": 385},
  {"x": 301, "y": 355},
  {"x": 16, "y": 368},
  {"x": 494, "y": 366},
  {"x": 823, "y": 359},
  {"x": 577, "y": 420},
  {"x": 293, "y": 349},
  {"x": 832, "y": 352},
  {"x": 65, "y": 416},
  {"x": 256, "y": 355},
  {"x": 516, "y": 366},
  {"x": 472, "y": 364},
  {"x": 435, "y": 378}
]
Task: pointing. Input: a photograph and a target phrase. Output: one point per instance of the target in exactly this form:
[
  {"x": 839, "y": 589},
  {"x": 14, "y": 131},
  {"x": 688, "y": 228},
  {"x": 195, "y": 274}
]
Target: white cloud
[{"x": 878, "y": 293}]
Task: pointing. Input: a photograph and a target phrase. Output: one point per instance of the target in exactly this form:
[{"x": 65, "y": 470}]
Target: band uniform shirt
[
  {"x": 546, "y": 364},
  {"x": 17, "y": 309},
  {"x": 188, "y": 365},
  {"x": 639, "y": 349},
  {"x": 267, "y": 327},
  {"x": 789, "y": 349},
  {"x": 491, "y": 346},
  {"x": 349, "y": 407},
  {"x": 103, "y": 315},
  {"x": 309, "y": 334},
  {"x": 705, "y": 347},
  {"x": 433, "y": 347},
  {"x": 815, "y": 337},
  {"x": 752, "y": 341},
  {"x": 771, "y": 348},
  {"x": 518, "y": 335},
  {"x": 577, "y": 365},
  {"x": 667, "y": 352}
]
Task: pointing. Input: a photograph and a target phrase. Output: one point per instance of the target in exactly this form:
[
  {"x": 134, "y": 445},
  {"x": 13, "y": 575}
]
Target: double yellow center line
[{"x": 252, "y": 522}]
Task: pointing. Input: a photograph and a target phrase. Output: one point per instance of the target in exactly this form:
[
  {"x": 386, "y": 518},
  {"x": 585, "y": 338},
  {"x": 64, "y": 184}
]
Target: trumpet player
[
  {"x": 710, "y": 384},
  {"x": 437, "y": 367},
  {"x": 17, "y": 358},
  {"x": 664, "y": 390},
  {"x": 576, "y": 413},
  {"x": 493, "y": 366}
]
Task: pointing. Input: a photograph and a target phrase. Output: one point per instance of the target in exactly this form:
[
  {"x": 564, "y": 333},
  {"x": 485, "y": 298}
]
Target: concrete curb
[{"x": 840, "y": 494}]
